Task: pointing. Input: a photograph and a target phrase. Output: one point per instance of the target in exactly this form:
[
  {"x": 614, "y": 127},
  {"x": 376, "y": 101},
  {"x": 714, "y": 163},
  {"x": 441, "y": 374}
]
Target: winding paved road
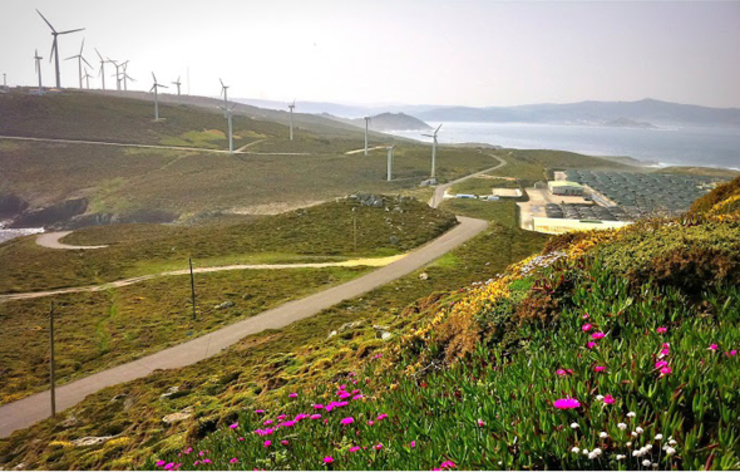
[
  {"x": 439, "y": 191},
  {"x": 51, "y": 241},
  {"x": 24, "y": 413}
]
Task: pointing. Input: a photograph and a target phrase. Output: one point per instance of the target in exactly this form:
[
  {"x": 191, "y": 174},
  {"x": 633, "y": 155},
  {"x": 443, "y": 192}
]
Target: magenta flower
[
  {"x": 599, "y": 368},
  {"x": 241, "y": 438},
  {"x": 660, "y": 364},
  {"x": 233, "y": 460},
  {"x": 713, "y": 347},
  {"x": 234, "y": 426},
  {"x": 354, "y": 448},
  {"x": 359, "y": 396},
  {"x": 160, "y": 463},
  {"x": 608, "y": 399},
  {"x": 267, "y": 422},
  {"x": 348, "y": 420},
  {"x": 661, "y": 330},
  {"x": 206, "y": 461},
  {"x": 293, "y": 395},
  {"x": 268, "y": 443},
  {"x": 370, "y": 422},
  {"x": 378, "y": 356},
  {"x": 259, "y": 412},
  {"x": 316, "y": 416},
  {"x": 561, "y": 372},
  {"x": 413, "y": 444},
  {"x": 381, "y": 417},
  {"x": 284, "y": 442},
  {"x": 328, "y": 460},
  {"x": 344, "y": 395},
  {"x": 447, "y": 465},
  {"x": 585, "y": 316},
  {"x": 664, "y": 352},
  {"x": 732, "y": 353},
  {"x": 318, "y": 406},
  {"x": 665, "y": 371},
  {"x": 300, "y": 416},
  {"x": 282, "y": 417},
  {"x": 481, "y": 423},
  {"x": 566, "y": 403},
  {"x": 378, "y": 446},
  {"x": 591, "y": 345},
  {"x": 598, "y": 335},
  {"x": 586, "y": 327}
]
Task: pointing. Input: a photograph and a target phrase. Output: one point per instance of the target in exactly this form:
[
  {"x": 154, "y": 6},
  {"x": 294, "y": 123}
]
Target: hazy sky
[{"x": 477, "y": 53}]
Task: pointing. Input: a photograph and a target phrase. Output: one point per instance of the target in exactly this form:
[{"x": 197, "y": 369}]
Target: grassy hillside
[
  {"x": 259, "y": 368},
  {"x": 617, "y": 351},
  {"x": 323, "y": 232}
]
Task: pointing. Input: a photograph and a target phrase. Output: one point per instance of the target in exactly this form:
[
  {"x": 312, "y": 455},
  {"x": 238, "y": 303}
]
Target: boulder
[{"x": 91, "y": 441}]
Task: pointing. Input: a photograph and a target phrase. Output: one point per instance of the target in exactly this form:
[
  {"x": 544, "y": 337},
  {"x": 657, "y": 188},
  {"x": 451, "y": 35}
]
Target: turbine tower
[
  {"x": 102, "y": 67},
  {"x": 38, "y": 69},
  {"x": 434, "y": 150},
  {"x": 87, "y": 78},
  {"x": 125, "y": 76},
  {"x": 231, "y": 128},
  {"x": 79, "y": 61},
  {"x": 367, "y": 121},
  {"x": 178, "y": 83},
  {"x": 291, "y": 107},
  {"x": 55, "y": 46},
  {"x": 5, "y": 83},
  {"x": 224, "y": 91},
  {"x": 118, "y": 73},
  {"x": 390, "y": 163},
  {"x": 155, "y": 87}
]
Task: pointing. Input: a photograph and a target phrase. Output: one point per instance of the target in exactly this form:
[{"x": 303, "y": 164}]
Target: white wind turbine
[
  {"x": 434, "y": 149},
  {"x": 224, "y": 91},
  {"x": 390, "y": 162},
  {"x": 87, "y": 78},
  {"x": 102, "y": 66},
  {"x": 117, "y": 74},
  {"x": 125, "y": 77},
  {"x": 178, "y": 83},
  {"x": 80, "y": 59},
  {"x": 55, "y": 46},
  {"x": 367, "y": 121},
  {"x": 155, "y": 87},
  {"x": 228, "y": 112},
  {"x": 291, "y": 107},
  {"x": 38, "y": 69}
]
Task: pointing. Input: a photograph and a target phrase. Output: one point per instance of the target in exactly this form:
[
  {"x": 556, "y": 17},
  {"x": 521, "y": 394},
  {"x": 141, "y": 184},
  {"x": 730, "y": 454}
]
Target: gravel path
[{"x": 51, "y": 240}]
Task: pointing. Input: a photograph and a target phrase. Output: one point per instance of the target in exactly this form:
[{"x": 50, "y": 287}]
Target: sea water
[{"x": 707, "y": 147}]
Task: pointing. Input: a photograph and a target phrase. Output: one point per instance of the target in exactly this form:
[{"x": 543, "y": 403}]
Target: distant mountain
[
  {"x": 393, "y": 122},
  {"x": 654, "y": 112},
  {"x": 337, "y": 109}
]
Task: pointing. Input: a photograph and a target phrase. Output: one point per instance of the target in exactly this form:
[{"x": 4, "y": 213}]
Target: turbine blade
[
  {"x": 437, "y": 130},
  {"x": 222, "y": 83},
  {"x": 85, "y": 60},
  {"x": 155, "y": 78},
  {"x": 82, "y": 46},
  {"x": 72, "y": 31},
  {"x": 53, "y": 48},
  {"x": 98, "y": 53},
  {"x": 71, "y": 57},
  {"x": 47, "y": 21}
]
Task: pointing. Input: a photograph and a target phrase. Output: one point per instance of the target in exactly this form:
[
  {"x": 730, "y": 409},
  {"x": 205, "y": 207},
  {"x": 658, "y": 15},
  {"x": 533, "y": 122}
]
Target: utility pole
[
  {"x": 53, "y": 379},
  {"x": 192, "y": 285}
]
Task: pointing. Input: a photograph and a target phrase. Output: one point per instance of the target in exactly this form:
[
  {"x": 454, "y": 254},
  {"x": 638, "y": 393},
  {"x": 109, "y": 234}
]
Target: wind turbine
[
  {"x": 178, "y": 83},
  {"x": 434, "y": 149},
  {"x": 367, "y": 121},
  {"x": 125, "y": 76},
  {"x": 55, "y": 46},
  {"x": 291, "y": 107},
  {"x": 5, "y": 83},
  {"x": 87, "y": 78},
  {"x": 118, "y": 73},
  {"x": 79, "y": 61},
  {"x": 228, "y": 113},
  {"x": 390, "y": 162},
  {"x": 38, "y": 69},
  {"x": 155, "y": 87},
  {"x": 224, "y": 90},
  {"x": 102, "y": 66}
]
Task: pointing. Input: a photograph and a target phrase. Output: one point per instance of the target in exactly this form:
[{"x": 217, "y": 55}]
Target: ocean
[{"x": 707, "y": 147}]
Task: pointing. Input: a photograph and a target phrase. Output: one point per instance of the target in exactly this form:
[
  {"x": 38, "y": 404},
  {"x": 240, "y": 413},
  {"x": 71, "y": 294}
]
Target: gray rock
[
  {"x": 91, "y": 441},
  {"x": 423, "y": 276},
  {"x": 394, "y": 240},
  {"x": 179, "y": 416},
  {"x": 225, "y": 305},
  {"x": 170, "y": 391}
]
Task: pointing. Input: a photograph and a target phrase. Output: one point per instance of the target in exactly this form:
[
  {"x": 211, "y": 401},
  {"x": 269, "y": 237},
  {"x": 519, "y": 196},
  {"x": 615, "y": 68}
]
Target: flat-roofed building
[
  {"x": 565, "y": 187},
  {"x": 561, "y": 225}
]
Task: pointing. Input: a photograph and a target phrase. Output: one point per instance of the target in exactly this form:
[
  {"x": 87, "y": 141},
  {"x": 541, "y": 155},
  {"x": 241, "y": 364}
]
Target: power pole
[
  {"x": 53, "y": 379},
  {"x": 192, "y": 285}
]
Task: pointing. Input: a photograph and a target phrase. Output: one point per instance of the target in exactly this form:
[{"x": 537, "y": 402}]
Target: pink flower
[
  {"x": 241, "y": 438},
  {"x": 660, "y": 364},
  {"x": 354, "y": 448},
  {"x": 413, "y": 444},
  {"x": 300, "y": 416},
  {"x": 561, "y": 372},
  {"x": 599, "y": 368},
  {"x": 370, "y": 422},
  {"x": 267, "y": 422},
  {"x": 293, "y": 395},
  {"x": 169, "y": 466},
  {"x": 316, "y": 416},
  {"x": 661, "y": 330},
  {"x": 598, "y": 335},
  {"x": 732, "y": 353},
  {"x": 259, "y": 412},
  {"x": 591, "y": 345},
  {"x": 318, "y": 406},
  {"x": 206, "y": 461},
  {"x": 481, "y": 423},
  {"x": 378, "y": 356},
  {"x": 664, "y": 352},
  {"x": 381, "y": 417},
  {"x": 233, "y": 460},
  {"x": 586, "y": 327},
  {"x": 284, "y": 442},
  {"x": 268, "y": 443},
  {"x": 328, "y": 460},
  {"x": 447, "y": 465},
  {"x": 608, "y": 399},
  {"x": 713, "y": 347},
  {"x": 665, "y": 371},
  {"x": 282, "y": 417},
  {"x": 160, "y": 463},
  {"x": 378, "y": 446},
  {"x": 566, "y": 403},
  {"x": 585, "y": 316},
  {"x": 348, "y": 420},
  {"x": 359, "y": 396}
]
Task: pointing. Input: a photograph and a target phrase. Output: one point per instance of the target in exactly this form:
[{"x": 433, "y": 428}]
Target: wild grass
[{"x": 479, "y": 186}]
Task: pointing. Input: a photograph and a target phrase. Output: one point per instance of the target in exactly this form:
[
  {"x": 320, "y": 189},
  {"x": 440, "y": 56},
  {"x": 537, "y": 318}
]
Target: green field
[{"x": 328, "y": 232}]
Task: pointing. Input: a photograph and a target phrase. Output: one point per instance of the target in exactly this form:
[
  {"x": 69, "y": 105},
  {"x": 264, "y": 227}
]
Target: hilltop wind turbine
[
  {"x": 5, "y": 83},
  {"x": 87, "y": 78},
  {"x": 117, "y": 74},
  {"x": 231, "y": 128},
  {"x": 434, "y": 149},
  {"x": 102, "y": 66},
  {"x": 55, "y": 46},
  {"x": 79, "y": 60},
  {"x": 155, "y": 87},
  {"x": 178, "y": 83},
  {"x": 367, "y": 121},
  {"x": 125, "y": 76},
  {"x": 291, "y": 107},
  {"x": 224, "y": 90},
  {"x": 390, "y": 162},
  {"x": 38, "y": 68}
]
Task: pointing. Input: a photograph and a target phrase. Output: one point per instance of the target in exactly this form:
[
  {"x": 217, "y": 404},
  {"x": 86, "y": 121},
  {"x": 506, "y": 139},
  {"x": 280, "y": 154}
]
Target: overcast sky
[{"x": 476, "y": 53}]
